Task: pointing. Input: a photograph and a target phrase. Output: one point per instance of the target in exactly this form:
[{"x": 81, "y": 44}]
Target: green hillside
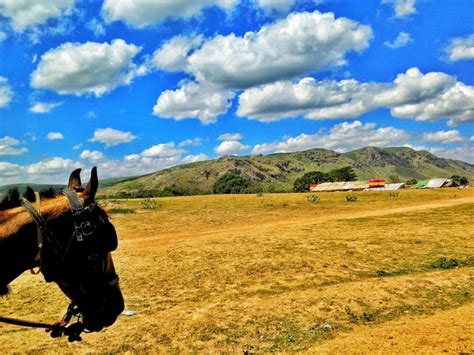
[{"x": 277, "y": 172}]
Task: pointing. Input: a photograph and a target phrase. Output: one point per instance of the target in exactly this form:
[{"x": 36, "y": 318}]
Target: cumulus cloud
[
  {"x": 96, "y": 27},
  {"x": 54, "y": 136},
  {"x": 89, "y": 68},
  {"x": 312, "y": 42},
  {"x": 3, "y": 36},
  {"x": 8, "y": 147},
  {"x": 402, "y": 40},
  {"x": 93, "y": 156},
  {"x": 112, "y": 137},
  {"x": 146, "y": 13},
  {"x": 424, "y": 97},
  {"x": 193, "y": 158},
  {"x": 444, "y": 137},
  {"x": 190, "y": 142},
  {"x": 230, "y": 147},
  {"x": 9, "y": 172},
  {"x": 193, "y": 100},
  {"x": 342, "y": 137},
  {"x": 44, "y": 107},
  {"x": 27, "y": 14},
  {"x": 461, "y": 48},
  {"x": 230, "y": 137},
  {"x": 402, "y": 8},
  {"x": 52, "y": 166},
  {"x": 164, "y": 150},
  {"x": 173, "y": 55},
  {"x": 6, "y": 93}
]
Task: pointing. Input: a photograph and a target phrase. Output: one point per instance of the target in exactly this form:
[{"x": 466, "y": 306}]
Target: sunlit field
[{"x": 279, "y": 272}]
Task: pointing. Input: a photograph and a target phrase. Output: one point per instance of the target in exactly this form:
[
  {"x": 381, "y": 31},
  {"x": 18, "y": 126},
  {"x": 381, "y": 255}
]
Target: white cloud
[
  {"x": 44, "y": 107},
  {"x": 230, "y": 148},
  {"x": 402, "y": 8},
  {"x": 444, "y": 137},
  {"x": 164, "y": 150},
  {"x": 461, "y": 48},
  {"x": 424, "y": 97},
  {"x": 3, "y": 36},
  {"x": 193, "y": 101},
  {"x": 89, "y": 68},
  {"x": 311, "y": 42},
  {"x": 190, "y": 142},
  {"x": 7, "y": 147},
  {"x": 146, "y": 13},
  {"x": 172, "y": 56},
  {"x": 77, "y": 146},
  {"x": 402, "y": 40},
  {"x": 6, "y": 93},
  {"x": 52, "y": 166},
  {"x": 25, "y": 14},
  {"x": 194, "y": 158},
  {"x": 93, "y": 156},
  {"x": 112, "y": 137},
  {"x": 342, "y": 137},
  {"x": 230, "y": 137},
  {"x": 9, "y": 172},
  {"x": 54, "y": 136}
]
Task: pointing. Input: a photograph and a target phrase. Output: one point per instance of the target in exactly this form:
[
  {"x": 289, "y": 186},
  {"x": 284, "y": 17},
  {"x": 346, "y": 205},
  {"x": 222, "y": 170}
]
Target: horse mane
[{"x": 13, "y": 216}]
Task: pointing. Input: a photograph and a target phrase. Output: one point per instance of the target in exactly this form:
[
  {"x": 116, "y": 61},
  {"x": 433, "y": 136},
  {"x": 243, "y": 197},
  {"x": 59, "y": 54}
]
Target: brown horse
[{"x": 74, "y": 251}]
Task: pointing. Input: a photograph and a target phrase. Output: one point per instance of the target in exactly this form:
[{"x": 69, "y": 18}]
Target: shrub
[
  {"x": 149, "y": 203},
  {"x": 230, "y": 183},
  {"x": 121, "y": 210},
  {"x": 444, "y": 263},
  {"x": 393, "y": 194},
  {"x": 313, "y": 199},
  {"x": 351, "y": 198}
]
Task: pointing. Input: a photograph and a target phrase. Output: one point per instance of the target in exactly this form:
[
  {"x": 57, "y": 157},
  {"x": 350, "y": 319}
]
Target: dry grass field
[{"x": 383, "y": 274}]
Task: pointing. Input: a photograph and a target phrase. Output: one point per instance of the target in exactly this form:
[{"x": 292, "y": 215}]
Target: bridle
[{"x": 53, "y": 256}]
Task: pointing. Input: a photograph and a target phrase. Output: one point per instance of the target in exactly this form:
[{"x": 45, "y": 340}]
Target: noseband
[{"x": 52, "y": 257}]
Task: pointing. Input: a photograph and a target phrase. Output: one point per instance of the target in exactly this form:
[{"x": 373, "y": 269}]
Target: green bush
[
  {"x": 149, "y": 204},
  {"x": 121, "y": 210},
  {"x": 230, "y": 183},
  {"x": 313, "y": 199},
  {"x": 444, "y": 263},
  {"x": 351, "y": 198},
  {"x": 393, "y": 194}
]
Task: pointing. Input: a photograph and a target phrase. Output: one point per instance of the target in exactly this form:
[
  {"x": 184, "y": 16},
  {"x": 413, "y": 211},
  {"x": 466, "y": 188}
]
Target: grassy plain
[{"x": 278, "y": 273}]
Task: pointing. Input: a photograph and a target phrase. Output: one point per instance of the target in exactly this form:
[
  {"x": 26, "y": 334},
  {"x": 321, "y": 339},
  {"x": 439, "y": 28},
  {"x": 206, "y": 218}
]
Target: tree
[
  {"x": 29, "y": 194},
  {"x": 394, "y": 179},
  {"x": 343, "y": 174},
  {"x": 302, "y": 183},
  {"x": 460, "y": 180},
  {"x": 411, "y": 182},
  {"x": 230, "y": 183}
]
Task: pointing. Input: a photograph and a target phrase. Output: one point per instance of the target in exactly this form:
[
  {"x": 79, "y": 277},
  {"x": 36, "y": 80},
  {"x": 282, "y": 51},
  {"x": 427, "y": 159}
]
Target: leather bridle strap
[{"x": 42, "y": 225}]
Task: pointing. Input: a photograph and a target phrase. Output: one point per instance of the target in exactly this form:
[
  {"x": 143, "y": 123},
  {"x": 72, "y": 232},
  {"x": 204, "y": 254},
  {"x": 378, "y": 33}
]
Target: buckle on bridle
[{"x": 83, "y": 229}]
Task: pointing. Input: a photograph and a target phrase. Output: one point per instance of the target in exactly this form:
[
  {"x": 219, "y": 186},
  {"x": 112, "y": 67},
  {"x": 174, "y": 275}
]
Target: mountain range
[{"x": 277, "y": 172}]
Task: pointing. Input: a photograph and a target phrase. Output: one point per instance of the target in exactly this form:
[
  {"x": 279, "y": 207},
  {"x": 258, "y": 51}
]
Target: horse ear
[
  {"x": 91, "y": 188},
  {"x": 74, "y": 180}
]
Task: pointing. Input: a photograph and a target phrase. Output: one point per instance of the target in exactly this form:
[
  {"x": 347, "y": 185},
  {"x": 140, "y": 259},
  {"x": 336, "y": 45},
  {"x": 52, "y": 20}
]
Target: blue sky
[{"x": 137, "y": 86}]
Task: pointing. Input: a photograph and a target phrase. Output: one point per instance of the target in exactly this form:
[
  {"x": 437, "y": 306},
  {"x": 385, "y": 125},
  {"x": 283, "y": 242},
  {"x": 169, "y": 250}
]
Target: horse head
[{"x": 75, "y": 253}]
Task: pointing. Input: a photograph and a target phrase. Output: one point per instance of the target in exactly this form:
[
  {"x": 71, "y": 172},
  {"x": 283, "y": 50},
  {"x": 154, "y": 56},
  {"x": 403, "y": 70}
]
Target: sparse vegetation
[
  {"x": 149, "y": 203},
  {"x": 351, "y": 198},
  {"x": 231, "y": 273},
  {"x": 313, "y": 199}
]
